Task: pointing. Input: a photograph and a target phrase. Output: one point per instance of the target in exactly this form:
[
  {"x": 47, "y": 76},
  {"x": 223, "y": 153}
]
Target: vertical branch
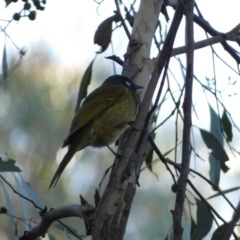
[
  {"x": 182, "y": 182},
  {"x": 112, "y": 212}
]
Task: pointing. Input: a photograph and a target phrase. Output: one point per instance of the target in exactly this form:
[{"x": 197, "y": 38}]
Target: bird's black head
[{"x": 122, "y": 80}]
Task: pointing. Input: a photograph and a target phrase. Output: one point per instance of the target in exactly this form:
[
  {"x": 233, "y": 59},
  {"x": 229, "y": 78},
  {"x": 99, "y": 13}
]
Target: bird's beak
[{"x": 136, "y": 87}]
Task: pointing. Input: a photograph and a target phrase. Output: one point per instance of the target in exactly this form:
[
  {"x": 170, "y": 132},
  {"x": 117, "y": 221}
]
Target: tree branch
[
  {"x": 187, "y": 123},
  {"x": 231, "y": 36},
  {"x": 118, "y": 12},
  {"x": 72, "y": 210},
  {"x": 233, "y": 223}
]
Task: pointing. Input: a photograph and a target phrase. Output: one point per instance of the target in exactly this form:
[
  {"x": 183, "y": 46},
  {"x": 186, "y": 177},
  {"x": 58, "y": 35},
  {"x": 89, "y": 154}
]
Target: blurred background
[{"x": 38, "y": 101}]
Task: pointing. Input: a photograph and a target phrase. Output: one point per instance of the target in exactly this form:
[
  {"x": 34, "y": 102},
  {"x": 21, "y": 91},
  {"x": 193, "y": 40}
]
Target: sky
[{"x": 69, "y": 23}]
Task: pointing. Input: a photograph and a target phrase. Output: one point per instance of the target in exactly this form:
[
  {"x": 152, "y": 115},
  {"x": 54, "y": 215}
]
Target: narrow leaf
[
  {"x": 103, "y": 34},
  {"x": 32, "y": 194},
  {"x": 4, "y": 66},
  {"x": 149, "y": 150},
  {"x": 149, "y": 159},
  {"x": 170, "y": 235},
  {"x": 216, "y": 147},
  {"x": 215, "y": 129},
  {"x": 215, "y": 170},
  {"x": 11, "y": 210},
  {"x": 204, "y": 221},
  {"x": 193, "y": 226},
  {"x": 86, "y": 79},
  {"x": 220, "y": 232},
  {"x": 224, "y": 192},
  {"x": 8, "y": 2},
  {"x": 8, "y": 166},
  {"x": 23, "y": 202},
  {"x": 227, "y": 126}
]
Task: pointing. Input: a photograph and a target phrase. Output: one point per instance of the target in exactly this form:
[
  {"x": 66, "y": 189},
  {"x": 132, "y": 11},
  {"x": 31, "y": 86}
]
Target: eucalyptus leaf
[
  {"x": 103, "y": 34},
  {"x": 224, "y": 192},
  {"x": 215, "y": 170},
  {"x": 170, "y": 235},
  {"x": 215, "y": 125},
  {"x": 217, "y": 149},
  {"x": 219, "y": 232},
  {"x": 11, "y": 211},
  {"x": 227, "y": 126},
  {"x": 204, "y": 221},
  {"x": 215, "y": 129},
  {"x": 193, "y": 226},
  {"x": 149, "y": 159},
  {"x": 9, "y": 166},
  {"x": 23, "y": 201},
  {"x": 8, "y": 2},
  {"x": 4, "y": 67},
  {"x": 85, "y": 81},
  {"x": 32, "y": 194}
]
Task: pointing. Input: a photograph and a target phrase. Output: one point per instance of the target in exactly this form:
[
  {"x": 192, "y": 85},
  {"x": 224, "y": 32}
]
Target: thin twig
[
  {"x": 118, "y": 12},
  {"x": 177, "y": 166},
  {"x": 35, "y": 205},
  {"x": 209, "y": 206},
  {"x": 22, "y": 196}
]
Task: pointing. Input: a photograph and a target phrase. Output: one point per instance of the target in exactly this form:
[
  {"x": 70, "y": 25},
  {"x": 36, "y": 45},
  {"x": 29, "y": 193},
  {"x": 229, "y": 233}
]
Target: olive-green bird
[{"x": 103, "y": 116}]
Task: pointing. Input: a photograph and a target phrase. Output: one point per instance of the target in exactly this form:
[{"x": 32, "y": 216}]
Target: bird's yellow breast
[{"x": 110, "y": 124}]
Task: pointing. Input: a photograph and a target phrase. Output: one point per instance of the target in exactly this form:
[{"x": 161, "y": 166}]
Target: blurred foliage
[{"x": 36, "y": 109}]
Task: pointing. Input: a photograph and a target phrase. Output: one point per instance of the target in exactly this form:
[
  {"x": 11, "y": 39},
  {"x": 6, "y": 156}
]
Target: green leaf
[
  {"x": 149, "y": 159},
  {"x": 8, "y": 2},
  {"x": 32, "y": 194},
  {"x": 227, "y": 126},
  {"x": 216, "y": 147},
  {"x": 10, "y": 207},
  {"x": 219, "y": 232},
  {"x": 86, "y": 79},
  {"x": 224, "y": 192},
  {"x": 204, "y": 221},
  {"x": 215, "y": 170},
  {"x": 4, "y": 67},
  {"x": 215, "y": 129},
  {"x": 193, "y": 226},
  {"x": 170, "y": 235},
  {"x": 149, "y": 150},
  {"x": 23, "y": 201},
  {"x": 103, "y": 34},
  {"x": 8, "y": 166}
]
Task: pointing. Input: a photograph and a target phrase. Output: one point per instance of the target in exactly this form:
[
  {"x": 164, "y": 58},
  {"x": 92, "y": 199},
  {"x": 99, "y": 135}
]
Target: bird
[{"x": 103, "y": 116}]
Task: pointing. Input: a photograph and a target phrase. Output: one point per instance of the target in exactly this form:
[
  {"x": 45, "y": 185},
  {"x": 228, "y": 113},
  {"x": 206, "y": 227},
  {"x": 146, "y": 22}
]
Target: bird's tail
[{"x": 62, "y": 166}]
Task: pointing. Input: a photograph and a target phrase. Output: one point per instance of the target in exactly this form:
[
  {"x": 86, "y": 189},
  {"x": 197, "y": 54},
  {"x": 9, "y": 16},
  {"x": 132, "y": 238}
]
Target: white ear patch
[{"x": 128, "y": 83}]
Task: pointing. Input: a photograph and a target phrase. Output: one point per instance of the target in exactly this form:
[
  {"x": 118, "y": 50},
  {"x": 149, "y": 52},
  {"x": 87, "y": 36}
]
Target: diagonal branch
[
  {"x": 233, "y": 223},
  {"x": 72, "y": 210},
  {"x": 223, "y": 37}
]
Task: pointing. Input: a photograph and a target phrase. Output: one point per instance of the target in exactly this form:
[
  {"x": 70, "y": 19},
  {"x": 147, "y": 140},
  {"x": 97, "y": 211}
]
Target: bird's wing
[{"x": 97, "y": 102}]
